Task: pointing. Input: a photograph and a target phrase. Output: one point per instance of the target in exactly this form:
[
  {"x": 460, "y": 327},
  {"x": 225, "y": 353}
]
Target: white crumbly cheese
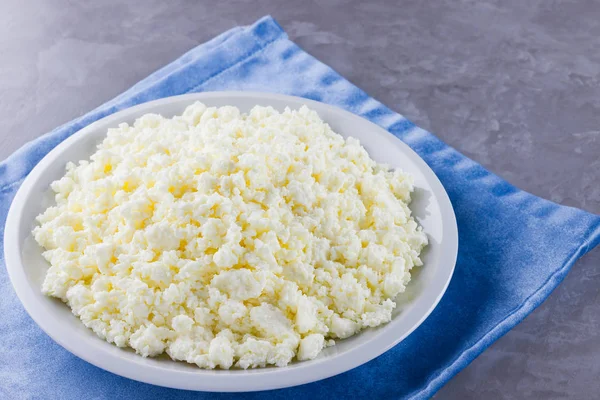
[
  {"x": 226, "y": 239},
  {"x": 310, "y": 346}
]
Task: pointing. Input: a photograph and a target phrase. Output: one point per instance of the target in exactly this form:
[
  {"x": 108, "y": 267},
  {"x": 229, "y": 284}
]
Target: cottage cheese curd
[{"x": 226, "y": 239}]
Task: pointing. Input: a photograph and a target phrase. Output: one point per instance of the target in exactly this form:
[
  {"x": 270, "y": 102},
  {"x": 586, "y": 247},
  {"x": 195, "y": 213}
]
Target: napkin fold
[{"x": 515, "y": 248}]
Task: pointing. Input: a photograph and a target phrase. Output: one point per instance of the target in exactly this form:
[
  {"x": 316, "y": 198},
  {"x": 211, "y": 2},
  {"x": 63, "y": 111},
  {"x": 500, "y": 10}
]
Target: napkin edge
[{"x": 519, "y": 313}]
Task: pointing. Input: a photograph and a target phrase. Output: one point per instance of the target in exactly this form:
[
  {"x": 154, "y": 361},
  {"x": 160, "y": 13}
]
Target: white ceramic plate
[{"x": 430, "y": 205}]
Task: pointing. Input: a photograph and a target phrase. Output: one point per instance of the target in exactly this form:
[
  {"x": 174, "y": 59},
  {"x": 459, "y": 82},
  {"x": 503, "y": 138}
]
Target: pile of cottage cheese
[{"x": 228, "y": 239}]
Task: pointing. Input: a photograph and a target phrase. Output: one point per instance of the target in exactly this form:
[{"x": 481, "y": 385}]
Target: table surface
[{"x": 512, "y": 84}]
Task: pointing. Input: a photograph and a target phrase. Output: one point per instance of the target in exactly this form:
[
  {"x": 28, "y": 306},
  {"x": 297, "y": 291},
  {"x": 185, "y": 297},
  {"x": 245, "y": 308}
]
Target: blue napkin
[{"x": 514, "y": 247}]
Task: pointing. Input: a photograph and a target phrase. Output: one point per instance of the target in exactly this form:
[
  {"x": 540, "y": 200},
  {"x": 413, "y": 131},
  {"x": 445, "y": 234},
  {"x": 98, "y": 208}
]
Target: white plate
[{"x": 430, "y": 205}]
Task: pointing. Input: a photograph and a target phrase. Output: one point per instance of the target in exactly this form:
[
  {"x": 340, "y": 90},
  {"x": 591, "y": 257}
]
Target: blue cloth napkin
[{"x": 514, "y": 247}]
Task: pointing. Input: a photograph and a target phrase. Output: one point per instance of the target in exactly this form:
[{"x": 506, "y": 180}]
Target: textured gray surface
[{"x": 512, "y": 84}]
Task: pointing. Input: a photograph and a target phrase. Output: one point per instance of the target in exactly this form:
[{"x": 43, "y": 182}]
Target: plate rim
[{"x": 266, "y": 379}]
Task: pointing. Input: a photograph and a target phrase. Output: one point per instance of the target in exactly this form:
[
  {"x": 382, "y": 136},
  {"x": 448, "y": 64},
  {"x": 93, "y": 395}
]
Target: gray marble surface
[{"x": 512, "y": 84}]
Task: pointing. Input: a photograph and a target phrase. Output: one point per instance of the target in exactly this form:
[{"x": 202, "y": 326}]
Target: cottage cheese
[{"x": 226, "y": 239}]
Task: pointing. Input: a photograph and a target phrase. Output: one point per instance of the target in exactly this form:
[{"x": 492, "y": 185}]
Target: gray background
[{"x": 512, "y": 84}]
